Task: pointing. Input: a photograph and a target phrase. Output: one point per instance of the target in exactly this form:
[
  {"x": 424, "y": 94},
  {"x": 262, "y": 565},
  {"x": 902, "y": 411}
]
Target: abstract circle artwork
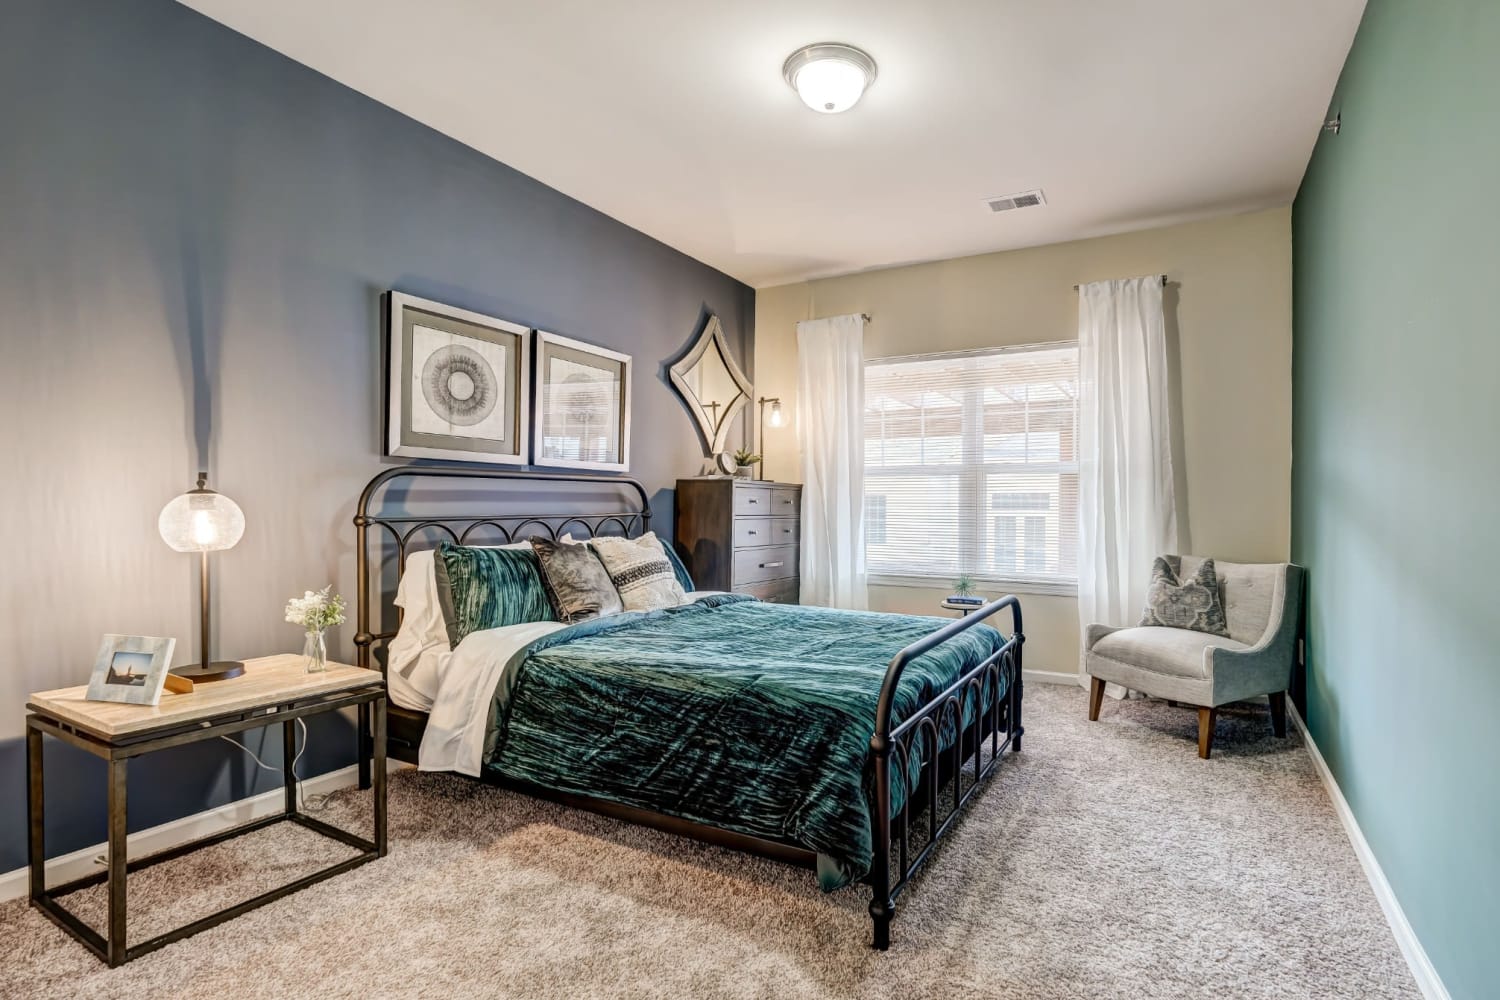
[{"x": 459, "y": 385}]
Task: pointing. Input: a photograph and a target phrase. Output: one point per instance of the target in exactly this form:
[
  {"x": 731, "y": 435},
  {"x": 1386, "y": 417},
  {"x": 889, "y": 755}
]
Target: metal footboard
[{"x": 892, "y": 834}]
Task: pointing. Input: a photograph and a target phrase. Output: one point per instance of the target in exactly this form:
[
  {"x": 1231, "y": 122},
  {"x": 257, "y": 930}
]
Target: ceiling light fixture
[{"x": 829, "y": 77}]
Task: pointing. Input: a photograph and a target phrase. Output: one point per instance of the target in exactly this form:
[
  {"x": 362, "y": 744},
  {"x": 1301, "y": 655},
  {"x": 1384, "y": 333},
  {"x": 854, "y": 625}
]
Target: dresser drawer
[
  {"x": 753, "y": 532},
  {"x": 783, "y": 531},
  {"x": 775, "y": 591},
  {"x": 752, "y": 499},
  {"x": 755, "y": 565},
  {"x": 785, "y": 502}
]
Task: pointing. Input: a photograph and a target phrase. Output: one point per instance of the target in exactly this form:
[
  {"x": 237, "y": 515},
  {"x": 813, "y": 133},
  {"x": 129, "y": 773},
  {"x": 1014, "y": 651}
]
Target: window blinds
[{"x": 971, "y": 467}]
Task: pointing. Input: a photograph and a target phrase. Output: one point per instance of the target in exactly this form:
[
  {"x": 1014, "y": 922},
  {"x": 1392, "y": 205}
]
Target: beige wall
[{"x": 1229, "y": 306}]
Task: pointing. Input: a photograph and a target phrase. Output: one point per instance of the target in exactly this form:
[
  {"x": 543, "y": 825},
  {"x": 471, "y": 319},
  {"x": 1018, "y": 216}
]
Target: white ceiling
[{"x": 672, "y": 116}]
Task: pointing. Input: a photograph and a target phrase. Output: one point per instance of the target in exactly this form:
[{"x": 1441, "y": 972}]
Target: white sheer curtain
[
  {"x": 831, "y": 403},
  {"x": 1127, "y": 491}
]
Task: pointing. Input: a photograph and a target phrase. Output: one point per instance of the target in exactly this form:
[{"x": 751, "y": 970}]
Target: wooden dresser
[{"x": 741, "y": 535}]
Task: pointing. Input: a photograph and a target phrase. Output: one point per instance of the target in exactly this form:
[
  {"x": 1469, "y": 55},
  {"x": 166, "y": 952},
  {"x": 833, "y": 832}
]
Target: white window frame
[{"x": 970, "y": 525}]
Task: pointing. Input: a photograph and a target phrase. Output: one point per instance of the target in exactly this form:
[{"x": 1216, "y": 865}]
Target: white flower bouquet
[{"x": 316, "y": 610}]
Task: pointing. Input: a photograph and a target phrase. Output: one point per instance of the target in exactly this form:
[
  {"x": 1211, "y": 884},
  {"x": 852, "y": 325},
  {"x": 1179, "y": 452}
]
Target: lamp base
[{"x": 219, "y": 670}]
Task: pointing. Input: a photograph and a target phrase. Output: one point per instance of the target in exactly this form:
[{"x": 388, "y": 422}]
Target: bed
[{"x": 846, "y": 742}]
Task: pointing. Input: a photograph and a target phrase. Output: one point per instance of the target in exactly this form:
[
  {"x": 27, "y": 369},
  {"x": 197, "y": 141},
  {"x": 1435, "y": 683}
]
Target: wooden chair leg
[
  {"x": 1096, "y": 697},
  {"x": 1207, "y": 718},
  {"x": 1278, "y": 713}
]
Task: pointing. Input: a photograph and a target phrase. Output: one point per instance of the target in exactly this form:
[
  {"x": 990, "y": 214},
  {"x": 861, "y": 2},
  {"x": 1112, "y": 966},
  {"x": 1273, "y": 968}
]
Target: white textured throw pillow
[{"x": 640, "y": 571}]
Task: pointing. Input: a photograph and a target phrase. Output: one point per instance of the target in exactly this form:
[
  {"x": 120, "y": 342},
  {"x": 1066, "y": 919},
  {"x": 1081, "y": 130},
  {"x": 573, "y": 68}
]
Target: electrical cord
[{"x": 306, "y": 803}]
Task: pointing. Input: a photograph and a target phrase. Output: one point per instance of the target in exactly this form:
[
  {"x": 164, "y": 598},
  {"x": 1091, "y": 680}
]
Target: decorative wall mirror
[{"x": 712, "y": 385}]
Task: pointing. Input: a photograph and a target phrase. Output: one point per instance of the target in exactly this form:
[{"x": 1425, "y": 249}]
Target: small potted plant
[
  {"x": 744, "y": 463},
  {"x": 963, "y": 591}
]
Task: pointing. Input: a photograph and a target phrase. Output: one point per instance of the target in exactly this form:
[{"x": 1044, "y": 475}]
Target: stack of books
[{"x": 968, "y": 599}]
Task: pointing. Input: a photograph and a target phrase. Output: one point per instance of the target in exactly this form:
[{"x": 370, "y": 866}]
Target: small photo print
[{"x": 131, "y": 669}]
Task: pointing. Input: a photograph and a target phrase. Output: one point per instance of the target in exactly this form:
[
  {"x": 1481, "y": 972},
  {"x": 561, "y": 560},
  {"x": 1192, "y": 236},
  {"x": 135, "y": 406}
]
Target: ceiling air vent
[{"x": 1026, "y": 199}]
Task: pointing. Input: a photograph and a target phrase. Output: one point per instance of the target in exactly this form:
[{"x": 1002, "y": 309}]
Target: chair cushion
[{"x": 1175, "y": 651}]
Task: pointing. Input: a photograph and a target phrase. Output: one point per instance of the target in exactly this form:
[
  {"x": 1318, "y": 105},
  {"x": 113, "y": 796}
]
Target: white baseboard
[
  {"x": 1049, "y": 677},
  {"x": 13, "y": 885},
  {"x": 1421, "y": 966}
]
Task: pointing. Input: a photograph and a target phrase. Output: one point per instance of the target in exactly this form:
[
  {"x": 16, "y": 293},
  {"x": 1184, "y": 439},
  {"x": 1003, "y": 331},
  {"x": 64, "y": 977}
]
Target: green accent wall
[{"x": 1396, "y": 468}]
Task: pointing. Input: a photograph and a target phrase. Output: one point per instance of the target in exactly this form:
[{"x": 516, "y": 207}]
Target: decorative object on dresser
[
  {"x": 457, "y": 383},
  {"x": 272, "y": 689},
  {"x": 203, "y": 521},
  {"x": 741, "y": 535},
  {"x": 131, "y": 669},
  {"x": 712, "y": 385},
  {"x": 745, "y": 462},
  {"x": 583, "y": 405},
  {"x": 775, "y": 419}
]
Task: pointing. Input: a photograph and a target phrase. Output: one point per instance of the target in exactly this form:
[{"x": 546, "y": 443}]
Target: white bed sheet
[{"x": 465, "y": 683}]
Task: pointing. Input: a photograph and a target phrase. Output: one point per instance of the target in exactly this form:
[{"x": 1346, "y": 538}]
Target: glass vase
[{"x": 315, "y": 652}]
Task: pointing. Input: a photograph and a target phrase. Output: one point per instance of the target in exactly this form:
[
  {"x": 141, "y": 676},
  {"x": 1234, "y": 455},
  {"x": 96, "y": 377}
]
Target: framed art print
[
  {"x": 130, "y": 669},
  {"x": 583, "y": 405},
  {"x": 457, "y": 384}
]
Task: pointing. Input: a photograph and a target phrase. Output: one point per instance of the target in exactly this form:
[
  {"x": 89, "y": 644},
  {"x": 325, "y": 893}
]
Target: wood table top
[{"x": 268, "y": 680}]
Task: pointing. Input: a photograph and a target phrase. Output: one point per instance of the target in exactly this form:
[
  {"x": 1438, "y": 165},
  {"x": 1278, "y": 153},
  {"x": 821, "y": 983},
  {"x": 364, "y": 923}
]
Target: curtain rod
[{"x": 1163, "y": 283}]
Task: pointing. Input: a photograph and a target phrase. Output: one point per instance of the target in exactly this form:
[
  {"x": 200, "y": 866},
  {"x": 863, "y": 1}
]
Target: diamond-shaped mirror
[{"x": 712, "y": 385}]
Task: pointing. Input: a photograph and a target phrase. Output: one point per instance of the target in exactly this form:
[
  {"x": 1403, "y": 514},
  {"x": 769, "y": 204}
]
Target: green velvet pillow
[{"x": 482, "y": 588}]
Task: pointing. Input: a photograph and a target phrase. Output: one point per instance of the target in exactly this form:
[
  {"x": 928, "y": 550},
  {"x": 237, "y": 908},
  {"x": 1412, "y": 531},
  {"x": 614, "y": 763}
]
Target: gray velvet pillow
[
  {"x": 577, "y": 583},
  {"x": 1192, "y": 603}
]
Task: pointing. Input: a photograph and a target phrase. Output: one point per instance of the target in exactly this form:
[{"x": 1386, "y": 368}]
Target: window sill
[{"x": 1047, "y": 588}]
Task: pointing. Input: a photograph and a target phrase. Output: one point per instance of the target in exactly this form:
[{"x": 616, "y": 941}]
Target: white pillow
[
  {"x": 640, "y": 571},
  {"x": 423, "y": 626}
]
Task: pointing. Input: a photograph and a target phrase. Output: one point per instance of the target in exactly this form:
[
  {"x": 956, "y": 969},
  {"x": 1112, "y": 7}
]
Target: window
[
  {"x": 874, "y": 519},
  {"x": 971, "y": 466}
]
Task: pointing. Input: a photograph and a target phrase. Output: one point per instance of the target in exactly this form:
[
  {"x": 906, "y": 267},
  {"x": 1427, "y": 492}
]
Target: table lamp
[
  {"x": 203, "y": 521},
  {"x": 775, "y": 420}
]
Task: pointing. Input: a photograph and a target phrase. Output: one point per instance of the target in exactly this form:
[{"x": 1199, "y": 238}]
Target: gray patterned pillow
[
  {"x": 576, "y": 581},
  {"x": 1176, "y": 603}
]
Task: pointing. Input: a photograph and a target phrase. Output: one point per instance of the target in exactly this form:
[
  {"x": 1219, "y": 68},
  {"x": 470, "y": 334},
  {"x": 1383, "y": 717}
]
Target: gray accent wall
[{"x": 194, "y": 235}]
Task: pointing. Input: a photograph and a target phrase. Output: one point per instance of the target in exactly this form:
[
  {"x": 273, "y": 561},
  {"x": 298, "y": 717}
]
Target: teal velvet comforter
[{"x": 747, "y": 716}]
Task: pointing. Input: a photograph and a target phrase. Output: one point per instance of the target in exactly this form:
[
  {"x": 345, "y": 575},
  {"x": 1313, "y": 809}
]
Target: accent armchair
[{"x": 1262, "y": 602}]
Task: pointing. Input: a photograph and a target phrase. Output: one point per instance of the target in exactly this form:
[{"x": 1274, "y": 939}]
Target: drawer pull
[
  {"x": 751, "y": 500},
  {"x": 750, "y": 531},
  {"x": 774, "y": 565}
]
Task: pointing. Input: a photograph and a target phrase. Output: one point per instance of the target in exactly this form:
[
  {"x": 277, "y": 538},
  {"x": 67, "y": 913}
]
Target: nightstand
[
  {"x": 272, "y": 689},
  {"x": 967, "y": 609}
]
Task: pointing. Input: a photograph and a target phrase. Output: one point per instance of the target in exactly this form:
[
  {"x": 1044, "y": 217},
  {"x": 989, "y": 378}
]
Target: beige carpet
[{"x": 1106, "y": 860}]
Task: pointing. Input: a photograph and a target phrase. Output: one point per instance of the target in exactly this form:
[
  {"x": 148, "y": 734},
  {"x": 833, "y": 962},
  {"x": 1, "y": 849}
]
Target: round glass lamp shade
[
  {"x": 829, "y": 77},
  {"x": 201, "y": 521}
]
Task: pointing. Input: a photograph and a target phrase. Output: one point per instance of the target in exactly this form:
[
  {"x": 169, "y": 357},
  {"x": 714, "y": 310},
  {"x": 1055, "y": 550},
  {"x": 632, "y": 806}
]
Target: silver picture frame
[
  {"x": 130, "y": 669},
  {"x": 582, "y": 405},
  {"x": 458, "y": 383}
]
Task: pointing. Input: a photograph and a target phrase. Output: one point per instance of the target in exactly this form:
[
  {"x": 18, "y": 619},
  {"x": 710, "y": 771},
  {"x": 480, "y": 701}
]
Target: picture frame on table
[
  {"x": 457, "y": 383},
  {"x": 583, "y": 405},
  {"x": 130, "y": 669}
]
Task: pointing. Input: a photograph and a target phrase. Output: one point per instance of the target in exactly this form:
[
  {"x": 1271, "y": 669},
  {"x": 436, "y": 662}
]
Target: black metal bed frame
[{"x": 942, "y": 775}]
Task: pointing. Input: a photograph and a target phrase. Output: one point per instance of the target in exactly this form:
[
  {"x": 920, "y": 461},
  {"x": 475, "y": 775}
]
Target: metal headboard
[{"x": 411, "y": 532}]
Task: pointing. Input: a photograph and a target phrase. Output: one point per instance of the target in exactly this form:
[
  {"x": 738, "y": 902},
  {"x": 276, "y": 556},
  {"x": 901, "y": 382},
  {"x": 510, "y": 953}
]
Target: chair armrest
[
  {"x": 1094, "y": 633},
  {"x": 1265, "y": 667}
]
